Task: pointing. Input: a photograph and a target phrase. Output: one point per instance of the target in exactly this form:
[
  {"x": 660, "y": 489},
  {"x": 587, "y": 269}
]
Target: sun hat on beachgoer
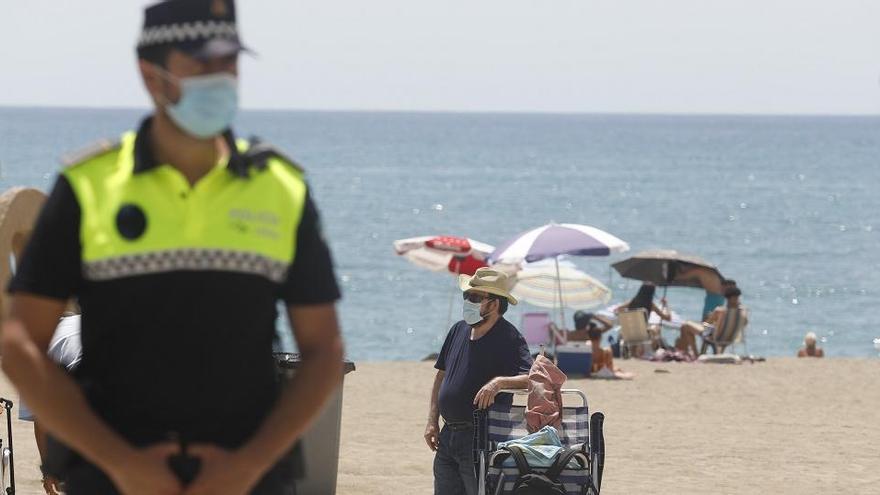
[
  {"x": 487, "y": 280},
  {"x": 810, "y": 337}
]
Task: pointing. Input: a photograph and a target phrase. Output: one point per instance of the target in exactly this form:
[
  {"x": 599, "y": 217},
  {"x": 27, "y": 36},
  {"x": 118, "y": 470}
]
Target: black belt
[{"x": 458, "y": 425}]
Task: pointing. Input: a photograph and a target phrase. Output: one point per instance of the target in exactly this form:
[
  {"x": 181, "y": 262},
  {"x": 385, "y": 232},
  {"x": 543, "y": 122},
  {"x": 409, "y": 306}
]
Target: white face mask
[
  {"x": 470, "y": 311},
  {"x": 207, "y": 103}
]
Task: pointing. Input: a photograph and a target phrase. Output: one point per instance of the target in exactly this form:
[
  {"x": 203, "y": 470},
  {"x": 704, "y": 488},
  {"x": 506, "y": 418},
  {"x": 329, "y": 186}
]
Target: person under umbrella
[
  {"x": 670, "y": 268},
  {"x": 709, "y": 280},
  {"x": 644, "y": 299},
  {"x": 687, "y": 342}
]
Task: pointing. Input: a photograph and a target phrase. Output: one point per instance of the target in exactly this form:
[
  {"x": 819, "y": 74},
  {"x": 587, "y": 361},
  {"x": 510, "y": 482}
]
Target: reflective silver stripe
[
  {"x": 187, "y": 31},
  {"x": 186, "y": 259}
]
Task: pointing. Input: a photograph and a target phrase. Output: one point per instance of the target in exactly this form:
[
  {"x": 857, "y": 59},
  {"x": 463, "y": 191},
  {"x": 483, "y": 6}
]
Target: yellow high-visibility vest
[{"x": 154, "y": 221}]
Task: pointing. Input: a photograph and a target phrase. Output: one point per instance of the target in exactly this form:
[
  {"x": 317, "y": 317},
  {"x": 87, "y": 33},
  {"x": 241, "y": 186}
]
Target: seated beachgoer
[
  {"x": 810, "y": 349},
  {"x": 603, "y": 358},
  {"x": 591, "y": 327},
  {"x": 710, "y": 281},
  {"x": 713, "y": 301},
  {"x": 708, "y": 330},
  {"x": 644, "y": 299},
  {"x": 584, "y": 321}
]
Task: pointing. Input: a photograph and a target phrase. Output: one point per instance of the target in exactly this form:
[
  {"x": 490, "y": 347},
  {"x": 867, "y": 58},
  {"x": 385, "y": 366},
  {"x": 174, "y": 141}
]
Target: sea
[{"x": 789, "y": 207}]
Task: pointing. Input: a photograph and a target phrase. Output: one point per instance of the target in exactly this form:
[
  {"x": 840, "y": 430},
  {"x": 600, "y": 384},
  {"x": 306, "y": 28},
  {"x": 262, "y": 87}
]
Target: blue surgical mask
[
  {"x": 471, "y": 313},
  {"x": 207, "y": 104}
]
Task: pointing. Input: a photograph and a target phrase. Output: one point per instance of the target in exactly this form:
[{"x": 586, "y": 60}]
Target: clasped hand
[{"x": 220, "y": 472}]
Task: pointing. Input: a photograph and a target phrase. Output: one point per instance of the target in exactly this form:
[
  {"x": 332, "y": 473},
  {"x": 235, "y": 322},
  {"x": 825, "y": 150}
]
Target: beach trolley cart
[{"x": 504, "y": 422}]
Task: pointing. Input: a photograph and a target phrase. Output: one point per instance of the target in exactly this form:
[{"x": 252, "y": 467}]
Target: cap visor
[{"x": 216, "y": 48}]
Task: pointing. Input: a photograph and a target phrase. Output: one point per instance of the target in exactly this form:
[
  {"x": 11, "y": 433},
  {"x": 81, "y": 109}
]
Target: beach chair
[
  {"x": 634, "y": 330},
  {"x": 505, "y": 420},
  {"x": 729, "y": 332},
  {"x": 535, "y": 329}
]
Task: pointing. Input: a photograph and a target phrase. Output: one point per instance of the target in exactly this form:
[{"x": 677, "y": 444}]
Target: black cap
[{"x": 201, "y": 28}]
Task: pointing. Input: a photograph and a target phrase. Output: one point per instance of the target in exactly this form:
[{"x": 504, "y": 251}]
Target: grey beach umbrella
[{"x": 665, "y": 267}]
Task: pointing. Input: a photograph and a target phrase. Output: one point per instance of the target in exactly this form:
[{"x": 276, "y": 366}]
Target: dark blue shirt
[{"x": 469, "y": 364}]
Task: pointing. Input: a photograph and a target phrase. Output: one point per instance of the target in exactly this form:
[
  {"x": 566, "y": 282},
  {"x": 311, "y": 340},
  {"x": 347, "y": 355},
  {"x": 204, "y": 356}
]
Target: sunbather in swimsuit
[
  {"x": 603, "y": 359},
  {"x": 687, "y": 342}
]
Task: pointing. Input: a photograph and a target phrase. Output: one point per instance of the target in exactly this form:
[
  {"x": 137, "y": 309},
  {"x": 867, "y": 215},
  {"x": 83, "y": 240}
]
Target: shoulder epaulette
[
  {"x": 259, "y": 153},
  {"x": 93, "y": 150}
]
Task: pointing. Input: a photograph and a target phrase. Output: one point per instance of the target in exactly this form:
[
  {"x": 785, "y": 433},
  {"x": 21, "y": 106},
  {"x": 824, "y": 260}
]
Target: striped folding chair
[
  {"x": 506, "y": 421},
  {"x": 729, "y": 331}
]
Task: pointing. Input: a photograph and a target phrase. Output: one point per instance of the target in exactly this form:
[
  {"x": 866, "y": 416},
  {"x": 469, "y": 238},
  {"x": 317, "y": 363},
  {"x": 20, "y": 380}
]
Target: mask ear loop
[
  {"x": 483, "y": 316},
  {"x": 169, "y": 78}
]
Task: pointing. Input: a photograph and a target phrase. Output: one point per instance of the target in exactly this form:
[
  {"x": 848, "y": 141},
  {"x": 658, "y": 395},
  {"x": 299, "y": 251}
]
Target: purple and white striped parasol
[{"x": 552, "y": 240}]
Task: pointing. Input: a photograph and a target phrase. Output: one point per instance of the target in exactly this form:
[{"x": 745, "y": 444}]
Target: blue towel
[{"x": 539, "y": 448}]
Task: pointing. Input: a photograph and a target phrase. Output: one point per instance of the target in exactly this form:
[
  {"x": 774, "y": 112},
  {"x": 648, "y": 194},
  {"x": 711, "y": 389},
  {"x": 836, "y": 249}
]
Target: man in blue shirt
[{"x": 482, "y": 354}]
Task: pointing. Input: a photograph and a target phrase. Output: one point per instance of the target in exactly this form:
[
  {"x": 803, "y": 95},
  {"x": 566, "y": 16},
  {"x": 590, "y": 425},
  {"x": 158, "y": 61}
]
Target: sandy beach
[{"x": 783, "y": 426}]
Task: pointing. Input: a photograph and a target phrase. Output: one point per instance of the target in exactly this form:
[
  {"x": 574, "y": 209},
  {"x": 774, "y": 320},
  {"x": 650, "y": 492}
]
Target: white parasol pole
[
  {"x": 452, "y": 295},
  {"x": 561, "y": 304}
]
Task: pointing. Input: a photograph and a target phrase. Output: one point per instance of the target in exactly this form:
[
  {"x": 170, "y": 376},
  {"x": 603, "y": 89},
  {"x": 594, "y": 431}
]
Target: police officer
[{"x": 178, "y": 240}]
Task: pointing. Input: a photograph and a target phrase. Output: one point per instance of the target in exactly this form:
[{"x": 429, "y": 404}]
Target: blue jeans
[{"x": 454, "y": 462}]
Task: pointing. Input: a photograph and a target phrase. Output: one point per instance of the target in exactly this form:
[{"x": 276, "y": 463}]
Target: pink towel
[{"x": 545, "y": 398}]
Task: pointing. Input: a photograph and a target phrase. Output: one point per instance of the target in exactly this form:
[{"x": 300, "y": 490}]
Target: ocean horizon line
[{"x": 792, "y": 115}]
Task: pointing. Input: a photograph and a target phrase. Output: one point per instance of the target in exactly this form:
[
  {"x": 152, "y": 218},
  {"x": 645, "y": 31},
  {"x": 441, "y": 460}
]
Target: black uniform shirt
[{"x": 182, "y": 352}]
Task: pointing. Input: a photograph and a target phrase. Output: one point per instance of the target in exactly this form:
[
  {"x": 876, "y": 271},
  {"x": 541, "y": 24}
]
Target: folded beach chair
[
  {"x": 634, "y": 329},
  {"x": 729, "y": 332},
  {"x": 503, "y": 422}
]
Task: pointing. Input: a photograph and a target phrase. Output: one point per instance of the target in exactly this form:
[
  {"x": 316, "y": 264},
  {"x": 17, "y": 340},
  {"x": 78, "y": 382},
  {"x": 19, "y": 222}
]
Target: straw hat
[{"x": 489, "y": 281}]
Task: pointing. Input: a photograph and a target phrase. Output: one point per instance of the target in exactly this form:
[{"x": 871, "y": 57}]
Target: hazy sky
[{"x": 676, "y": 56}]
